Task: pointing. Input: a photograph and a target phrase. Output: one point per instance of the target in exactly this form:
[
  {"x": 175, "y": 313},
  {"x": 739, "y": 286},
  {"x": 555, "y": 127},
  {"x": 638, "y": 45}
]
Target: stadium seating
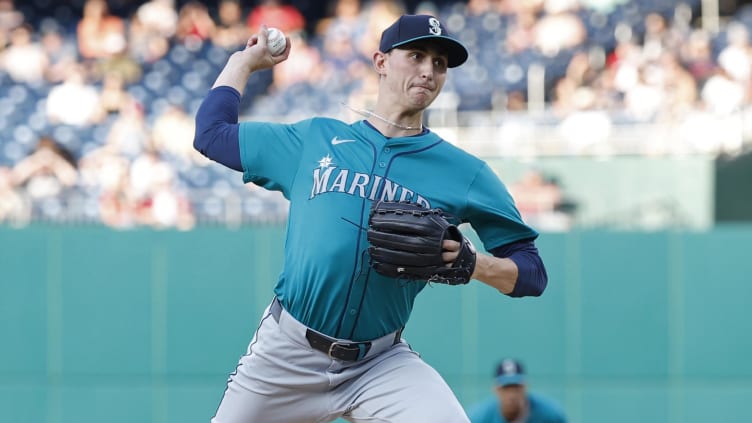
[{"x": 186, "y": 72}]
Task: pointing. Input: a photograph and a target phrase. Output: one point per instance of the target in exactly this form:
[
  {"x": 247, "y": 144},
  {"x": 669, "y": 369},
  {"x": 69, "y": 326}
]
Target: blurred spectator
[
  {"x": 172, "y": 133},
  {"x": 165, "y": 207},
  {"x": 303, "y": 66},
  {"x": 656, "y": 38},
  {"x": 122, "y": 64},
  {"x": 557, "y": 32},
  {"x": 697, "y": 56},
  {"x": 231, "y": 30},
  {"x": 624, "y": 64},
  {"x": 568, "y": 96},
  {"x": 74, "y": 102},
  {"x": 541, "y": 202},
  {"x": 736, "y": 56},
  {"x": 61, "y": 51},
  {"x": 195, "y": 25},
  {"x": 730, "y": 87},
  {"x": 275, "y": 13},
  {"x": 680, "y": 88},
  {"x": 129, "y": 134},
  {"x": 113, "y": 96},
  {"x": 644, "y": 97},
  {"x": 145, "y": 171},
  {"x": 145, "y": 46},
  {"x": 521, "y": 34},
  {"x": 158, "y": 18},
  {"x": 663, "y": 36},
  {"x": 340, "y": 48},
  {"x": 104, "y": 175},
  {"x": 344, "y": 20},
  {"x": 100, "y": 34},
  {"x": 116, "y": 208},
  {"x": 342, "y": 37},
  {"x": 13, "y": 208},
  {"x": 24, "y": 59},
  {"x": 47, "y": 172},
  {"x": 10, "y": 18},
  {"x": 97, "y": 167},
  {"x": 576, "y": 90},
  {"x": 723, "y": 94},
  {"x": 377, "y": 15},
  {"x": 478, "y": 8},
  {"x": 157, "y": 201},
  {"x": 515, "y": 101}
]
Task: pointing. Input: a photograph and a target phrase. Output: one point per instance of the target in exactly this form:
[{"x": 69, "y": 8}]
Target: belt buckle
[{"x": 334, "y": 345}]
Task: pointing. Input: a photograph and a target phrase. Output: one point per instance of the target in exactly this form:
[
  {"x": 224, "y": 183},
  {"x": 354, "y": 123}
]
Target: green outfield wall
[
  {"x": 633, "y": 192},
  {"x": 98, "y": 325}
]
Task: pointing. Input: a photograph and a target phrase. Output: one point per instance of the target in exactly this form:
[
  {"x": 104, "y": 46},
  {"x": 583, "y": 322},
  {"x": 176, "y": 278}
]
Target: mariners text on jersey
[{"x": 328, "y": 178}]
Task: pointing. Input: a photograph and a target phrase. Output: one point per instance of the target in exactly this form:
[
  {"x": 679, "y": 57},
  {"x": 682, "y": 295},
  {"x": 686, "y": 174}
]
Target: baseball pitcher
[{"x": 374, "y": 212}]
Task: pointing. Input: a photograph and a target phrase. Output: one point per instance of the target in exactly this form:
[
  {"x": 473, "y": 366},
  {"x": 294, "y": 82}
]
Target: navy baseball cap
[
  {"x": 510, "y": 372},
  {"x": 409, "y": 28}
]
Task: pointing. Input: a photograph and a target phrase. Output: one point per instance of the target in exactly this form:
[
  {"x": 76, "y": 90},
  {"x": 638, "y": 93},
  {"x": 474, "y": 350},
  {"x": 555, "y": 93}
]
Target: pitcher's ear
[{"x": 379, "y": 61}]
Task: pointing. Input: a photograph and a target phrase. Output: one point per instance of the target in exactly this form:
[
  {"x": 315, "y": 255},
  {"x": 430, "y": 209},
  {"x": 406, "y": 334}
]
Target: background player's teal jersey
[
  {"x": 542, "y": 410},
  {"x": 331, "y": 172}
]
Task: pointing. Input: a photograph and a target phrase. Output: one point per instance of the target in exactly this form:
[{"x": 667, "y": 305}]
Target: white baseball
[{"x": 275, "y": 41}]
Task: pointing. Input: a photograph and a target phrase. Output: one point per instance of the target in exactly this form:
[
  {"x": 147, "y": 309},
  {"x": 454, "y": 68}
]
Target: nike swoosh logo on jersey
[{"x": 337, "y": 140}]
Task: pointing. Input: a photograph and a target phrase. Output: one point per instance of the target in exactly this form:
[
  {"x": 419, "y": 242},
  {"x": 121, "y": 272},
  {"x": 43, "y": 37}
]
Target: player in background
[
  {"x": 513, "y": 403},
  {"x": 329, "y": 345}
]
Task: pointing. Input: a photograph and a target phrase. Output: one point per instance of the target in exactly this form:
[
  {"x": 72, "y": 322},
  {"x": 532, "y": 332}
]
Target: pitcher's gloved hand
[{"x": 406, "y": 242}]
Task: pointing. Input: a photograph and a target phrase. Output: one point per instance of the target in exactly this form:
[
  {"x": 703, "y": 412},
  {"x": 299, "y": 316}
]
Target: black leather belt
[{"x": 345, "y": 351}]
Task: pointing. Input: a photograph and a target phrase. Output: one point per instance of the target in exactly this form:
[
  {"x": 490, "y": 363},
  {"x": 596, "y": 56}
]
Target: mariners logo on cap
[
  {"x": 510, "y": 372},
  {"x": 434, "y": 26},
  {"x": 411, "y": 28},
  {"x": 510, "y": 367}
]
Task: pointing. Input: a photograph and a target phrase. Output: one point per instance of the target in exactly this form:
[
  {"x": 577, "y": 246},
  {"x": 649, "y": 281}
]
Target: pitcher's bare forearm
[
  {"x": 235, "y": 74},
  {"x": 515, "y": 269},
  {"x": 499, "y": 273}
]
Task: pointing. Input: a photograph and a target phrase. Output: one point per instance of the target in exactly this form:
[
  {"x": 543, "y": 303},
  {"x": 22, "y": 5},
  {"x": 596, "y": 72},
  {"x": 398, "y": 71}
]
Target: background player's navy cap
[
  {"x": 409, "y": 28},
  {"x": 510, "y": 372}
]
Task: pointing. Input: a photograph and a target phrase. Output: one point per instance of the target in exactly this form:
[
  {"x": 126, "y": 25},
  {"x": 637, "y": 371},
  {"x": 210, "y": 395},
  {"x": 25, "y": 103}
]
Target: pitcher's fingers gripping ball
[
  {"x": 275, "y": 41},
  {"x": 406, "y": 242}
]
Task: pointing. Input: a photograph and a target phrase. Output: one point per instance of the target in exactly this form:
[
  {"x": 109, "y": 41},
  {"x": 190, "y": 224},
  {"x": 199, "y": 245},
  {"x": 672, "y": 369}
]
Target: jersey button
[
  {"x": 386, "y": 150},
  {"x": 382, "y": 164},
  {"x": 353, "y": 311}
]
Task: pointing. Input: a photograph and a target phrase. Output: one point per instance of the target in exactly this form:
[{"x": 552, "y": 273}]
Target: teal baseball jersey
[
  {"x": 541, "y": 410},
  {"x": 331, "y": 172}
]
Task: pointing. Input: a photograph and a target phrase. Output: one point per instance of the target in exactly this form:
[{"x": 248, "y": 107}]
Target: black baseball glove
[{"x": 406, "y": 243}]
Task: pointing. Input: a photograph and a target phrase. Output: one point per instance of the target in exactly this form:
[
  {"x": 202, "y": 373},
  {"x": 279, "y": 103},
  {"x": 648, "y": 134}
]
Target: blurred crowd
[{"x": 96, "y": 107}]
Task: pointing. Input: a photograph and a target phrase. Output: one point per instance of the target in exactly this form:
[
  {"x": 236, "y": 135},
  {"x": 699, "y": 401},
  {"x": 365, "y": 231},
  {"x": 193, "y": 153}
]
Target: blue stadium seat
[
  {"x": 11, "y": 152},
  {"x": 141, "y": 94},
  {"x": 599, "y": 26},
  {"x": 179, "y": 54},
  {"x": 25, "y": 136},
  {"x": 7, "y": 107},
  {"x": 177, "y": 95},
  {"x": 37, "y": 120},
  {"x": 217, "y": 55},
  {"x": 156, "y": 82}
]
